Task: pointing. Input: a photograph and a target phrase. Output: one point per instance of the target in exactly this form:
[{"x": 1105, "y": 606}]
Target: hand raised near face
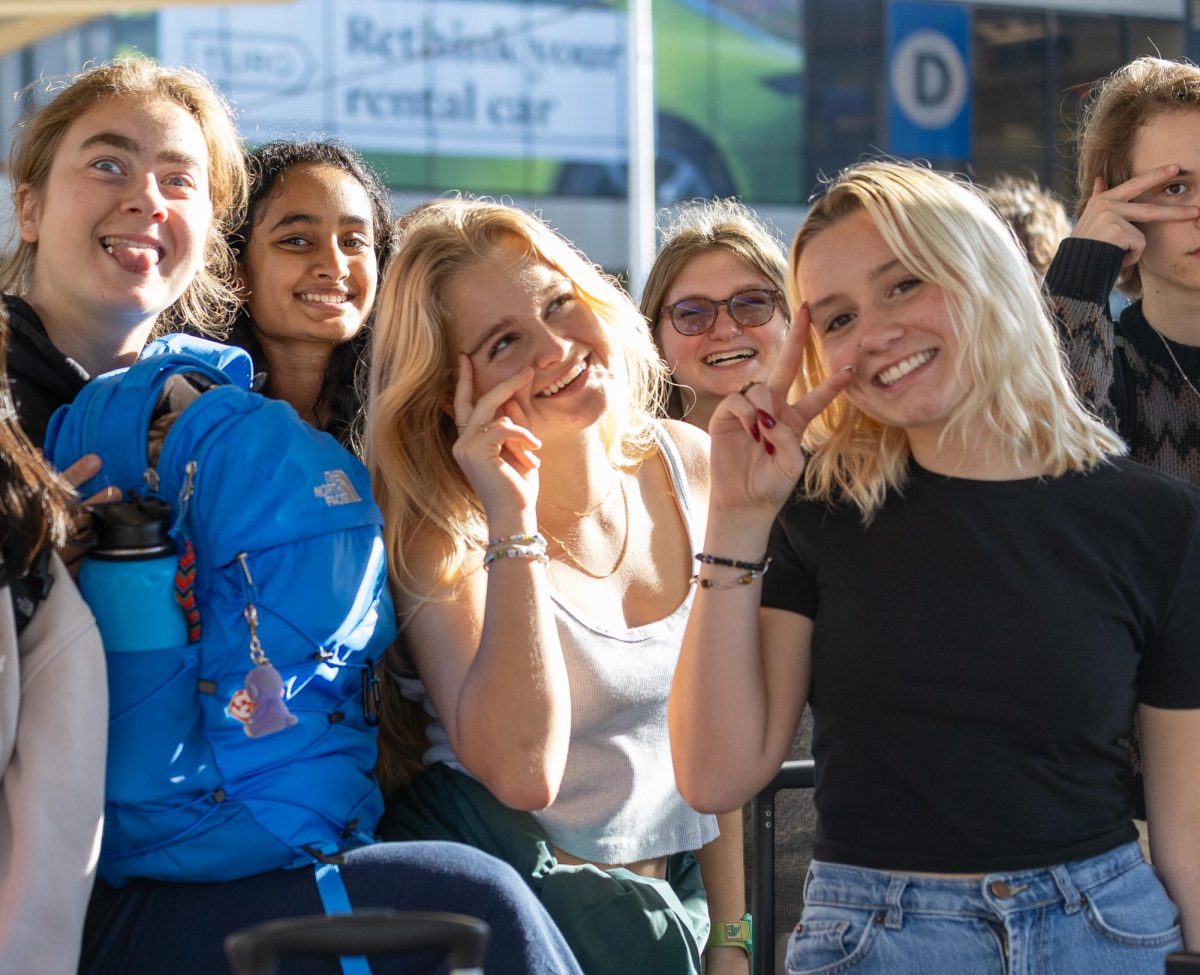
[
  {"x": 1113, "y": 215},
  {"x": 83, "y": 470},
  {"x": 756, "y": 434},
  {"x": 496, "y": 450}
]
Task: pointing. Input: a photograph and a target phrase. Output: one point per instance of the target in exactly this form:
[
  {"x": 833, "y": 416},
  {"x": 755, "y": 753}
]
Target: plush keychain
[
  {"x": 264, "y": 687},
  {"x": 259, "y": 704}
]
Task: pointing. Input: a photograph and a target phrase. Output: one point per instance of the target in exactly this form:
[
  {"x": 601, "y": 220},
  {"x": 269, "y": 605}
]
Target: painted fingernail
[
  {"x": 770, "y": 447},
  {"x": 754, "y": 431},
  {"x": 765, "y": 418}
]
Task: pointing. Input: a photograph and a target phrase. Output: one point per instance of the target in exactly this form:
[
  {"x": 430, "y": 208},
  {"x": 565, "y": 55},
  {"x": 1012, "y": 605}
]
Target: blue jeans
[{"x": 1109, "y": 915}]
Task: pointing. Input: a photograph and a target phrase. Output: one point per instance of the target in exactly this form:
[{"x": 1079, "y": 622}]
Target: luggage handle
[{"x": 463, "y": 939}]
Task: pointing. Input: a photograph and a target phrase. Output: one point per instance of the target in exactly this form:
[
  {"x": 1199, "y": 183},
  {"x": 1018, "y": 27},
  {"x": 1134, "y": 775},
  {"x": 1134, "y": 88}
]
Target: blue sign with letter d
[{"x": 929, "y": 80}]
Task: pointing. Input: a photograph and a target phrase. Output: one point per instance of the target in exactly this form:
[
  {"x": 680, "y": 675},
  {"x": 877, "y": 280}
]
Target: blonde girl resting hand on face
[{"x": 540, "y": 526}]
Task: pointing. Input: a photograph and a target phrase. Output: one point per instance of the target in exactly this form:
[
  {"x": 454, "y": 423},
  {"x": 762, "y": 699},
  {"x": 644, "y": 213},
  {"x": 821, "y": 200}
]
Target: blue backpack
[{"x": 277, "y": 521}]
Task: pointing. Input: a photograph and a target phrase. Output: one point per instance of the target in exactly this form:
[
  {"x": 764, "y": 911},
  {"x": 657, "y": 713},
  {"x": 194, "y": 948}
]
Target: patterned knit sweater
[{"x": 1166, "y": 431}]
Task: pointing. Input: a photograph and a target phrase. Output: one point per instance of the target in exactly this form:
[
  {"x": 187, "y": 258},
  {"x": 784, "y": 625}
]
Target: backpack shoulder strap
[
  {"x": 335, "y": 900},
  {"x": 111, "y": 417},
  {"x": 234, "y": 362}
]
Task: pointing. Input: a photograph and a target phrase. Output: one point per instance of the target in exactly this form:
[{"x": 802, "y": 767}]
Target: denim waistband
[{"x": 995, "y": 895}]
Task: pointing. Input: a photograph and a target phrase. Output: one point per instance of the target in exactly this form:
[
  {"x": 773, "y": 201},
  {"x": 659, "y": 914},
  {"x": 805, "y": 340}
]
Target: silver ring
[{"x": 483, "y": 428}]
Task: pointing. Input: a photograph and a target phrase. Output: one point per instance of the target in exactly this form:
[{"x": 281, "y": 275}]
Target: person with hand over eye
[
  {"x": 1138, "y": 227},
  {"x": 912, "y": 548}
]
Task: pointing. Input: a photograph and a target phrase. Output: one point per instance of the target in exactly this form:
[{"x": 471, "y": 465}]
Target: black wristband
[{"x": 707, "y": 559}]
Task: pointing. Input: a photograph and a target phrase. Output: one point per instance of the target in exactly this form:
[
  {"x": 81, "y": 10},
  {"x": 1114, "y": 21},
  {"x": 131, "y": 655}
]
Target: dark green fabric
[{"x": 615, "y": 921}]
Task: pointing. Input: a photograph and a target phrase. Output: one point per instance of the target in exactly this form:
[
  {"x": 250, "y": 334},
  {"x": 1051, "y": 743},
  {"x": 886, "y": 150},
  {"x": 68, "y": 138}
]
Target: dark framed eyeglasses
[{"x": 749, "y": 308}]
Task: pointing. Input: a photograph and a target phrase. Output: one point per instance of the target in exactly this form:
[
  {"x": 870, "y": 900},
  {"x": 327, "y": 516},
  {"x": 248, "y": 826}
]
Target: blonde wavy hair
[
  {"x": 208, "y": 304},
  {"x": 1116, "y": 109},
  {"x": 944, "y": 231},
  {"x": 698, "y": 228},
  {"x": 410, "y": 432}
]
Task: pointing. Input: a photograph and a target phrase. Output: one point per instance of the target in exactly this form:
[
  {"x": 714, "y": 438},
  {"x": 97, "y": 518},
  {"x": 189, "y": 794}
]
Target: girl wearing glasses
[
  {"x": 717, "y": 309},
  {"x": 965, "y": 587},
  {"x": 715, "y": 302},
  {"x": 540, "y": 526}
]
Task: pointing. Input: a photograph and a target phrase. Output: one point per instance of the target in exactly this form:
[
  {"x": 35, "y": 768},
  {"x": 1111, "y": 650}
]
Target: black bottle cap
[{"x": 134, "y": 529}]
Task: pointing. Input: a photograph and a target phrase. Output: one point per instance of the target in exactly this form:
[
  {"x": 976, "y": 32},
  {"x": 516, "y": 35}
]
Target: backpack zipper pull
[
  {"x": 150, "y": 476},
  {"x": 188, "y": 488}
]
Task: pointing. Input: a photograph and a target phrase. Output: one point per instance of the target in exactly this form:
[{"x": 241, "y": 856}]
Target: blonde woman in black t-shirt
[{"x": 966, "y": 588}]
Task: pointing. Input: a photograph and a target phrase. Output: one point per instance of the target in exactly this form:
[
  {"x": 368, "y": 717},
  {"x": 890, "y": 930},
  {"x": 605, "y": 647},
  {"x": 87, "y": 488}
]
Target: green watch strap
[{"x": 732, "y": 934}]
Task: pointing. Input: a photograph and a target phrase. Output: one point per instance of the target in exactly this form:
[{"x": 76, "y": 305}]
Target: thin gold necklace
[
  {"x": 567, "y": 554},
  {"x": 590, "y": 511},
  {"x": 1166, "y": 345}
]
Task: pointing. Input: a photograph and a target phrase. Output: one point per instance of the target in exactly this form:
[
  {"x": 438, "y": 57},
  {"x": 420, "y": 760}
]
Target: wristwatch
[{"x": 732, "y": 934}]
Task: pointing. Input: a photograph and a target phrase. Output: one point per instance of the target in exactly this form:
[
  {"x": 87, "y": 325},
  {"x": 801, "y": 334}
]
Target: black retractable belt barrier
[
  {"x": 792, "y": 775},
  {"x": 461, "y": 939}
]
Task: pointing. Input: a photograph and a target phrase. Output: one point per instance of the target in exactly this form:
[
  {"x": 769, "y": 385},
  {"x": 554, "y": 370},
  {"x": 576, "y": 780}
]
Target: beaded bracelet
[
  {"x": 531, "y": 552},
  {"x": 744, "y": 580},
  {"x": 522, "y": 545},
  {"x": 520, "y": 538},
  {"x": 759, "y": 567}
]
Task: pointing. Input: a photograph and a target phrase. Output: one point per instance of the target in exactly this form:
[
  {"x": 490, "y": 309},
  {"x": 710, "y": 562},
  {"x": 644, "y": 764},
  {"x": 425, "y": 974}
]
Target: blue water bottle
[{"x": 128, "y": 578}]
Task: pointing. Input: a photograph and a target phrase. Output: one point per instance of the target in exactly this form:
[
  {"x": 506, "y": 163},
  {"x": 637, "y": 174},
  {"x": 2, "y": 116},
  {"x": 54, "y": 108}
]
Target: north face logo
[{"x": 336, "y": 490}]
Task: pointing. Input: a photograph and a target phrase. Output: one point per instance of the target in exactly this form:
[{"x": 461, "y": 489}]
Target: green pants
[{"x": 615, "y": 921}]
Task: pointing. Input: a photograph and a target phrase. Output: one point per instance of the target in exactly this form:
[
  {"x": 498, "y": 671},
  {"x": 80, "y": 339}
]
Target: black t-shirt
[
  {"x": 41, "y": 378},
  {"x": 978, "y": 652}
]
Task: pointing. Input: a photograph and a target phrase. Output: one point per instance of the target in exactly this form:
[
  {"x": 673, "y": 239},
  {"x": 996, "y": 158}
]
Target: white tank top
[{"x": 618, "y": 802}]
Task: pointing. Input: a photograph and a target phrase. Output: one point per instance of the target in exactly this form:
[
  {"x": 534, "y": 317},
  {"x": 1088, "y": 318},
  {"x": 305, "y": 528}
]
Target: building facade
[{"x": 526, "y": 99}]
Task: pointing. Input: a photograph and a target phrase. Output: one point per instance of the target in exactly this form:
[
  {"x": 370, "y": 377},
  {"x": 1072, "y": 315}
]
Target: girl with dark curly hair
[{"x": 309, "y": 252}]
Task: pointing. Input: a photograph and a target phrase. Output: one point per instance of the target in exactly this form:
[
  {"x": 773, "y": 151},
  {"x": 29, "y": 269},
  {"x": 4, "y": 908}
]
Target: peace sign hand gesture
[
  {"x": 496, "y": 450},
  {"x": 1112, "y": 215},
  {"x": 756, "y": 435}
]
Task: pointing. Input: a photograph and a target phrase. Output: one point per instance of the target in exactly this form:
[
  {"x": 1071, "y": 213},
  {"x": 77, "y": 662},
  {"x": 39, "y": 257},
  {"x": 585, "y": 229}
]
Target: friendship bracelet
[
  {"x": 759, "y": 567},
  {"x": 520, "y": 538},
  {"x": 743, "y": 580}
]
